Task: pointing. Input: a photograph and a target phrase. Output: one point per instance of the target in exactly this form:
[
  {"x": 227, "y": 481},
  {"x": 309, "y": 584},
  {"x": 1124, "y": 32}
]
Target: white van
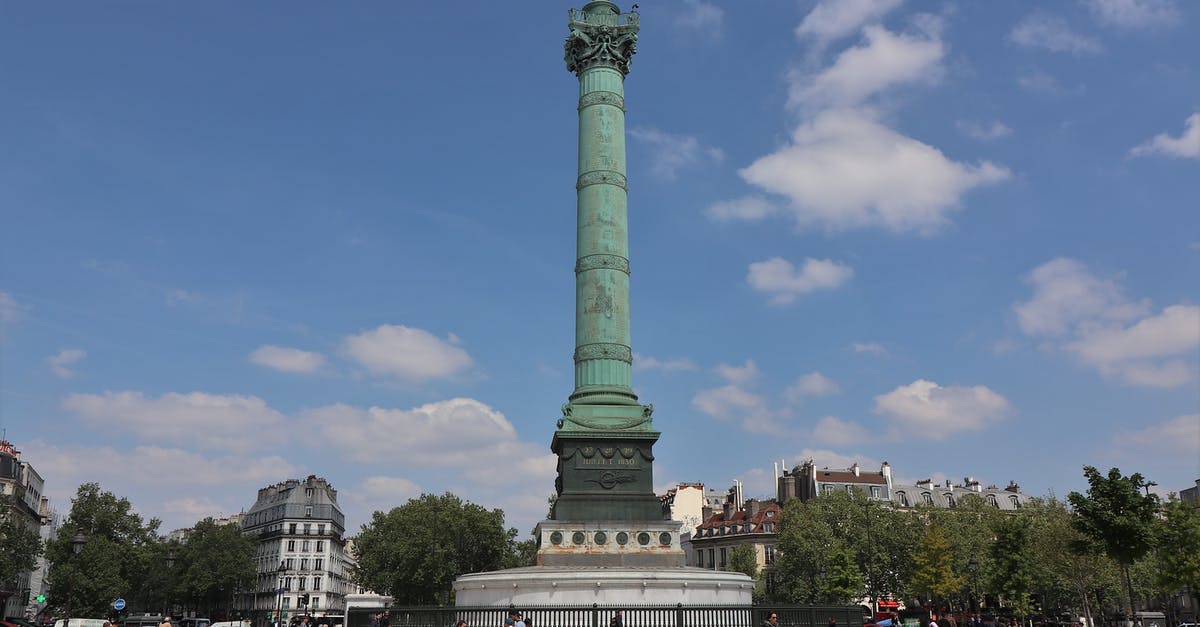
[{"x": 80, "y": 622}]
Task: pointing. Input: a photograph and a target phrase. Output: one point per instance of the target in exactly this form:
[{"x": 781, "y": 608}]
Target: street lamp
[
  {"x": 279, "y": 593},
  {"x": 76, "y": 548},
  {"x": 870, "y": 561},
  {"x": 973, "y": 566}
]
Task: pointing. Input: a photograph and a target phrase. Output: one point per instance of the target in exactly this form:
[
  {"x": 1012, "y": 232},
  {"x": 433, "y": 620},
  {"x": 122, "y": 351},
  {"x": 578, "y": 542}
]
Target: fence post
[{"x": 678, "y": 615}]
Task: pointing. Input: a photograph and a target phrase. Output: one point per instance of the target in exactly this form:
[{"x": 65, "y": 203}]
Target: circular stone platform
[{"x": 571, "y": 585}]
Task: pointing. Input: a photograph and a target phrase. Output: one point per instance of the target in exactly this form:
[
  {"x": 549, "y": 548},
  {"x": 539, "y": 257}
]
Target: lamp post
[
  {"x": 279, "y": 593},
  {"x": 76, "y": 548},
  {"x": 870, "y": 561},
  {"x": 973, "y": 566}
]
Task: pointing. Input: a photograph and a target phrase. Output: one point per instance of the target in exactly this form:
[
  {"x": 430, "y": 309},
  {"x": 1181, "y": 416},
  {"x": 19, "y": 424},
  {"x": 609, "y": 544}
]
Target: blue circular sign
[{"x": 119, "y": 604}]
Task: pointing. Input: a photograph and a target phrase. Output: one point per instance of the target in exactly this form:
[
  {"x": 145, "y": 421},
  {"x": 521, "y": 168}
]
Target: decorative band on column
[
  {"x": 601, "y": 97},
  {"x": 607, "y": 262},
  {"x": 604, "y": 351},
  {"x": 596, "y": 177}
]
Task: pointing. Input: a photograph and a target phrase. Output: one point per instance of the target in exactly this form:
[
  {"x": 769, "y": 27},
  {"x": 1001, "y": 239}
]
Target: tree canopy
[
  {"x": 20, "y": 545},
  {"x": 415, "y": 551}
]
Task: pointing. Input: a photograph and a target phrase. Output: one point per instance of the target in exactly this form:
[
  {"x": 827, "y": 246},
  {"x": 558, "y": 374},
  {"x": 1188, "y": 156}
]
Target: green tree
[
  {"x": 1063, "y": 577},
  {"x": 521, "y": 553},
  {"x": 935, "y": 577},
  {"x": 1178, "y": 547},
  {"x": 215, "y": 562},
  {"x": 98, "y": 554},
  {"x": 415, "y": 551},
  {"x": 742, "y": 559},
  {"x": 1012, "y": 564},
  {"x": 1117, "y": 518},
  {"x": 816, "y": 562},
  {"x": 20, "y": 545}
]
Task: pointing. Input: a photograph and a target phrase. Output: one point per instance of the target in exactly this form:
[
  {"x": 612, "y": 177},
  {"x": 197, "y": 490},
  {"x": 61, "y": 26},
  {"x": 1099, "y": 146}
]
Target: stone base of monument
[
  {"x": 642, "y": 544},
  {"x": 544, "y": 586}
]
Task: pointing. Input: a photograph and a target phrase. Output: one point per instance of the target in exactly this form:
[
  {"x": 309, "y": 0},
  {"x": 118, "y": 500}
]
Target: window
[
  {"x": 290, "y": 563},
  {"x": 950, "y": 500},
  {"x": 1016, "y": 502},
  {"x": 320, "y": 545},
  {"x": 287, "y": 602},
  {"x": 724, "y": 557},
  {"x": 308, "y": 492},
  {"x": 927, "y": 497},
  {"x": 320, "y": 530},
  {"x": 849, "y": 488},
  {"x": 769, "y": 553},
  {"x": 316, "y": 583},
  {"x": 903, "y": 499},
  {"x": 318, "y": 564},
  {"x": 307, "y": 512},
  {"x": 292, "y": 529},
  {"x": 748, "y": 527},
  {"x": 876, "y": 492},
  {"x": 991, "y": 500},
  {"x": 712, "y": 563},
  {"x": 769, "y": 527},
  {"x": 700, "y": 558},
  {"x": 304, "y": 563},
  {"x": 307, "y": 526},
  {"x": 304, "y": 546},
  {"x": 315, "y": 602},
  {"x": 827, "y": 489},
  {"x": 287, "y": 583},
  {"x": 291, "y": 545}
]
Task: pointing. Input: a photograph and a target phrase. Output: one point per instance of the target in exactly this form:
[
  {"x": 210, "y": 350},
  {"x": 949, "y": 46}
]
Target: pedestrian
[
  {"x": 772, "y": 619},
  {"x": 376, "y": 618},
  {"x": 386, "y": 619},
  {"x": 460, "y": 623},
  {"x": 166, "y": 622},
  {"x": 616, "y": 620},
  {"x": 832, "y": 622},
  {"x": 933, "y": 619}
]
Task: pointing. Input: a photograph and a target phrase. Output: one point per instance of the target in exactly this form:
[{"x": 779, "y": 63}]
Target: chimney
[
  {"x": 727, "y": 510},
  {"x": 706, "y": 512},
  {"x": 854, "y": 469},
  {"x": 752, "y": 508}
]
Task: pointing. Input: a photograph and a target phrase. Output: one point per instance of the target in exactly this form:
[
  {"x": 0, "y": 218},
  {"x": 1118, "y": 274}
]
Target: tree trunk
[{"x": 1128, "y": 594}]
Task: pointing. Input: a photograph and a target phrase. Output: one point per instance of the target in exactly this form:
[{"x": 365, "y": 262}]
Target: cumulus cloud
[
  {"x": 1181, "y": 433},
  {"x": 700, "y": 17},
  {"x": 176, "y": 296},
  {"x": 834, "y": 430},
  {"x": 1093, "y": 319},
  {"x": 1135, "y": 13},
  {"x": 735, "y": 401},
  {"x": 378, "y": 488},
  {"x": 742, "y": 374},
  {"x": 811, "y": 384},
  {"x": 833, "y": 19},
  {"x": 674, "y": 152},
  {"x": 236, "y": 423},
  {"x": 10, "y": 309},
  {"x": 1052, "y": 33},
  {"x": 746, "y": 208},
  {"x": 843, "y": 169},
  {"x": 1037, "y": 80},
  {"x": 886, "y": 59},
  {"x": 60, "y": 363},
  {"x": 1186, "y": 146},
  {"x": 924, "y": 409},
  {"x": 287, "y": 359},
  {"x": 995, "y": 130},
  {"x": 407, "y": 353},
  {"x": 647, "y": 362},
  {"x": 778, "y": 277}
]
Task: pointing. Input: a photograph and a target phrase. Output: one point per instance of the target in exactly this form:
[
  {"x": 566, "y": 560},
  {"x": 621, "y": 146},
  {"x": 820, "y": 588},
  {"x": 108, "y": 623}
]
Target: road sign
[{"x": 119, "y": 604}]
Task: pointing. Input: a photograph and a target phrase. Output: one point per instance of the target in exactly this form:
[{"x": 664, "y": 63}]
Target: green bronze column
[{"x": 604, "y": 438}]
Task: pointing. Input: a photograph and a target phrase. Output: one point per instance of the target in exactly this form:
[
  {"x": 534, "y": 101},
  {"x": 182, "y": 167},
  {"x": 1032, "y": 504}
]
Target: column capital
[{"x": 600, "y": 36}]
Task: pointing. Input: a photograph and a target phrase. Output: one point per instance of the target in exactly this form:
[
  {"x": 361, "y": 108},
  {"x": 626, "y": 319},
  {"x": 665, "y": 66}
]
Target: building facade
[
  {"x": 23, "y": 487},
  {"x": 301, "y": 549},
  {"x": 806, "y": 482},
  {"x": 949, "y": 494},
  {"x": 753, "y": 525}
]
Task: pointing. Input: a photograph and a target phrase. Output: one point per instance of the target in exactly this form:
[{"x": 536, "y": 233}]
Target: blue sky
[{"x": 241, "y": 243}]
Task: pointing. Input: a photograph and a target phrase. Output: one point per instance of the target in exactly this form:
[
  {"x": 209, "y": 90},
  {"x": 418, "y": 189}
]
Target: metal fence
[{"x": 632, "y": 616}]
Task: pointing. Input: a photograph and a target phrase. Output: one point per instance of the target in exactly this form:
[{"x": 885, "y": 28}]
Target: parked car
[{"x": 80, "y": 622}]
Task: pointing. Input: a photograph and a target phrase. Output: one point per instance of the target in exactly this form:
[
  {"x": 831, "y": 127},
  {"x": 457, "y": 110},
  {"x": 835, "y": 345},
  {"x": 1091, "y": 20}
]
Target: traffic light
[{"x": 304, "y": 599}]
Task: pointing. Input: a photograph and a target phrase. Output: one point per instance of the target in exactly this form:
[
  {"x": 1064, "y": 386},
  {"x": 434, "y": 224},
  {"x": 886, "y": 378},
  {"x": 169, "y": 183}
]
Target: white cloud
[
  {"x": 731, "y": 402},
  {"x": 834, "y": 19},
  {"x": 868, "y": 347},
  {"x": 834, "y": 430},
  {"x": 1093, "y": 319},
  {"x": 984, "y": 133},
  {"x": 1065, "y": 293},
  {"x": 236, "y": 423},
  {"x": 1052, "y": 33},
  {"x": 407, "y": 353},
  {"x": 176, "y": 296},
  {"x": 10, "y": 309},
  {"x": 287, "y": 359},
  {"x": 1182, "y": 433},
  {"x": 825, "y": 458},
  {"x": 925, "y": 409},
  {"x": 738, "y": 374},
  {"x": 701, "y": 17},
  {"x": 811, "y": 384},
  {"x": 1187, "y": 145},
  {"x": 1037, "y": 80},
  {"x": 59, "y": 363},
  {"x": 673, "y": 152},
  {"x": 382, "y": 489},
  {"x": 1135, "y": 13},
  {"x": 885, "y": 60},
  {"x": 844, "y": 169},
  {"x": 747, "y": 208},
  {"x": 646, "y": 362},
  {"x": 778, "y": 277}
]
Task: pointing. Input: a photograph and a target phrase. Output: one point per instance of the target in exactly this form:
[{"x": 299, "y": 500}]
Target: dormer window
[
  {"x": 903, "y": 499},
  {"x": 927, "y": 497}
]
